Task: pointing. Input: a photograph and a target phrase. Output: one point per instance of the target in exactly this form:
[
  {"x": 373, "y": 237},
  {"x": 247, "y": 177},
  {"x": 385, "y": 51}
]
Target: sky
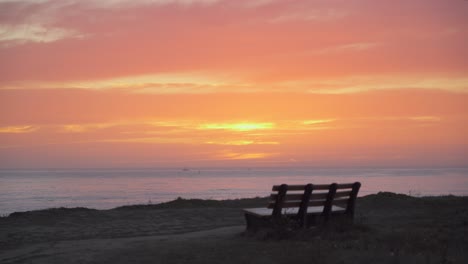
[{"x": 195, "y": 83}]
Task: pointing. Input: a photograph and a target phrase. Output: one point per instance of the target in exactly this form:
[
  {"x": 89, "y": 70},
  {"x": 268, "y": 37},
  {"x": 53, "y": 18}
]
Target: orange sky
[{"x": 141, "y": 83}]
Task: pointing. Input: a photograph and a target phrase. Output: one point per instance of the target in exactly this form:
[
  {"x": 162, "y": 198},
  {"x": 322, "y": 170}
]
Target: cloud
[
  {"x": 357, "y": 84},
  {"x": 18, "y": 129},
  {"x": 317, "y": 121},
  {"x": 168, "y": 83},
  {"x": 425, "y": 118},
  {"x": 19, "y": 34},
  {"x": 78, "y": 106},
  {"x": 358, "y": 46},
  {"x": 310, "y": 15},
  {"x": 221, "y": 41},
  {"x": 110, "y": 3},
  {"x": 258, "y": 3},
  {"x": 205, "y": 83}
]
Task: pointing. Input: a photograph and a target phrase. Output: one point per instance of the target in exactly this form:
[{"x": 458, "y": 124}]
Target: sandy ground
[
  {"x": 72, "y": 224},
  {"x": 389, "y": 228},
  {"x": 101, "y": 250}
]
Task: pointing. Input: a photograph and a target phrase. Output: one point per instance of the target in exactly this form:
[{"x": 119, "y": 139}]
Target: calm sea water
[{"x": 23, "y": 190}]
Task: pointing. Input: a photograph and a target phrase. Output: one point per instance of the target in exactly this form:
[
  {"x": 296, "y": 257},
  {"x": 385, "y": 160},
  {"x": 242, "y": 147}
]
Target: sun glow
[
  {"x": 244, "y": 156},
  {"x": 242, "y": 142},
  {"x": 238, "y": 126}
]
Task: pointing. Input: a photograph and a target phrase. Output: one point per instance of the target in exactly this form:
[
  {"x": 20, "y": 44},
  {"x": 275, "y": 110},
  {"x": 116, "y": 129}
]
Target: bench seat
[{"x": 267, "y": 212}]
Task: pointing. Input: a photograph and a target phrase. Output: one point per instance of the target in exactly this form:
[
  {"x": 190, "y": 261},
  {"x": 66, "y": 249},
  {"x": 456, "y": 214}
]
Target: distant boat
[{"x": 185, "y": 169}]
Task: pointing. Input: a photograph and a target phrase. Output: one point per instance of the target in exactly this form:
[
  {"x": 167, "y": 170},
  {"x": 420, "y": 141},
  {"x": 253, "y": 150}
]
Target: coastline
[{"x": 107, "y": 189}]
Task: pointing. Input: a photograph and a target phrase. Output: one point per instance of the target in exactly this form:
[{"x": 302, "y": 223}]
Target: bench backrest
[{"x": 304, "y": 196}]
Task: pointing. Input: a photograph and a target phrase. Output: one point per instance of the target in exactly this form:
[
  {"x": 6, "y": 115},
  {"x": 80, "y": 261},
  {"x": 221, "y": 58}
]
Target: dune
[{"x": 389, "y": 228}]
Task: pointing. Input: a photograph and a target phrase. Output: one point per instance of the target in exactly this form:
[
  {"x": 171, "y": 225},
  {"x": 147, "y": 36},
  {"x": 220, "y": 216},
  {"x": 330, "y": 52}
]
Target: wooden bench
[{"x": 305, "y": 205}]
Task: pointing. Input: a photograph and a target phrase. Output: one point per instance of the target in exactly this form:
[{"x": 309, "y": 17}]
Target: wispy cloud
[
  {"x": 18, "y": 129},
  {"x": 355, "y": 84},
  {"x": 317, "y": 121},
  {"x": 314, "y": 15},
  {"x": 129, "y": 3},
  {"x": 357, "y": 46},
  {"x": 109, "y": 3},
  {"x": 18, "y": 34},
  {"x": 425, "y": 118},
  {"x": 168, "y": 83},
  {"x": 258, "y": 3}
]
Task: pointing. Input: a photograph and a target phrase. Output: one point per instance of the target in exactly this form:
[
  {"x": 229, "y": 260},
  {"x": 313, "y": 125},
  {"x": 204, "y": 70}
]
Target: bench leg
[
  {"x": 248, "y": 222},
  {"x": 254, "y": 223}
]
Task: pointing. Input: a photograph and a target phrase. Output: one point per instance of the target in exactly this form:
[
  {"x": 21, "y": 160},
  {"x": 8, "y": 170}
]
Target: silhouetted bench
[{"x": 306, "y": 205}]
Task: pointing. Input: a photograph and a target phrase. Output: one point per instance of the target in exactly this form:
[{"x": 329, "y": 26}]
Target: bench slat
[
  {"x": 302, "y": 187},
  {"x": 340, "y": 202},
  {"x": 290, "y": 204},
  {"x": 318, "y": 196},
  {"x": 286, "y": 204},
  {"x": 316, "y": 187},
  {"x": 317, "y": 203},
  {"x": 290, "y": 188},
  {"x": 314, "y": 196},
  {"x": 288, "y": 197},
  {"x": 345, "y": 186},
  {"x": 342, "y": 194}
]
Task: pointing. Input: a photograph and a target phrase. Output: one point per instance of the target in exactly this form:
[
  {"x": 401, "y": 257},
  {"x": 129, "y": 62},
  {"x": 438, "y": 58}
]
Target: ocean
[{"x": 24, "y": 190}]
